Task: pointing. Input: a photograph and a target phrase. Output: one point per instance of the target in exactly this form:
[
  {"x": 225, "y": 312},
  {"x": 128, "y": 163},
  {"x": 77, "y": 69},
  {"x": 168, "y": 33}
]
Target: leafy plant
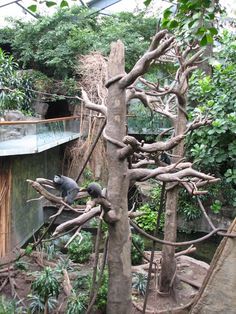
[
  {"x": 10, "y": 307},
  {"x": 82, "y": 282},
  {"x": 77, "y": 304},
  {"x": 46, "y": 285},
  {"x": 188, "y": 207},
  {"x": 37, "y": 304},
  {"x": 192, "y": 20},
  {"x": 215, "y": 96},
  {"x": 136, "y": 256},
  {"x": 21, "y": 265},
  {"x": 15, "y": 93},
  {"x": 139, "y": 283},
  {"x": 101, "y": 300},
  {"x": 81, "y": 247},
  {"x": 148, "y": 221},
  {"x": 50, "y": 249},
  {"x": 216, "y": 206}
]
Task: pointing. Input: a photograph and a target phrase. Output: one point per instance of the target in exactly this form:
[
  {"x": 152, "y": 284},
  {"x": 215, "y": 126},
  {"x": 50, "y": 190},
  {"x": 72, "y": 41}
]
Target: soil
[{"x": 190, "y": 274}]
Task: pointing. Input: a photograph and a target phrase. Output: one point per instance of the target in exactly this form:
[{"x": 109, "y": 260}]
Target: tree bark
[
  {"x": 119, "y": 261},
  {"x": 168, "y": 263}
]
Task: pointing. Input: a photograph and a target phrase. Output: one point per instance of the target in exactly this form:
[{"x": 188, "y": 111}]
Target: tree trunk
[
  {"x": 168, "y": 263},
  {"x": 119, "y": 261}
]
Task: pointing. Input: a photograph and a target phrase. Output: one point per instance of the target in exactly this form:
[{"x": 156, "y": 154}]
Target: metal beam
[{"x": 101, "y": 4}]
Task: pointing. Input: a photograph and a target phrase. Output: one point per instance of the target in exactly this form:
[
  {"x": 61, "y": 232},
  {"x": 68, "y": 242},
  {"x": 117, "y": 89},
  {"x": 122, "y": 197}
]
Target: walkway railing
[{"x": 33, "y": 136}]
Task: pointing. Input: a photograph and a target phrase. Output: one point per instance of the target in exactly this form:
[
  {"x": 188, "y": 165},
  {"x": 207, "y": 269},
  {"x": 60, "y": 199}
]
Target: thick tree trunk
[
  {"x": 119, "y": 262},
  {"x": 168, "y": 264}
]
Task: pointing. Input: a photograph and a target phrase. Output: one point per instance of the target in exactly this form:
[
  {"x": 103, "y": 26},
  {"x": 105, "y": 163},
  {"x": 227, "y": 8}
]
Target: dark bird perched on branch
[
  {"x": 94, "y": 190},
  {"x": 68, "y": 187}
]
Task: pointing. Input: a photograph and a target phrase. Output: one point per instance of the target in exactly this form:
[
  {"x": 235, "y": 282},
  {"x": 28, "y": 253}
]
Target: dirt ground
[{"x": 190, "y": 273}]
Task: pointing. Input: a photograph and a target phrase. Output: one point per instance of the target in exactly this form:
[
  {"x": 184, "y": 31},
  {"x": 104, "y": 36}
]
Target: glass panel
[
  {"x": 17, "y": 139},
  {"x": 56, "y": 133}
]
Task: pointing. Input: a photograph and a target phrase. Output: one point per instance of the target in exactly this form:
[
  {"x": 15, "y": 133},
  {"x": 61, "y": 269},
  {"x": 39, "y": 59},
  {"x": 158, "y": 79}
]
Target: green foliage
[
  {"x": 188, "y": 207},
  {"x": 77, "y": 304},
  {"x": 214, "y": 147},
  {"x": 216, "y": 206},
  {"x": 134, "y": 30},
  {"x": 83, "y": 285},
  {"x": 50, "y": 249},
  {"x": 192, "y": 20},
  {"x": 37, "y": 304},
  {"x": 51, "y": 44},
  {"x": 21, "y": 265},
  {"x": 29, "y": 249},
  {"x": 136, "y": 256},
  {"x": 9, "y": 307},
  {"x": 139, "y": 283},
  {"x": 33, "y": 7},
  {"x": 14, "y": 83},
  {"x": 46, "y": 285},
  {"x": 148, "y": 221},
  {"x": 82, "y": 282},
  {"x": 143, "y": 121},
  {"x": 80, "y": 249},
  {"x": 101, "y": 300}
]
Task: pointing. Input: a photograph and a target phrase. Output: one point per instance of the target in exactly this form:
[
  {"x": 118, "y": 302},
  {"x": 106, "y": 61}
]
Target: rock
[{"x": 13, "y": 115}]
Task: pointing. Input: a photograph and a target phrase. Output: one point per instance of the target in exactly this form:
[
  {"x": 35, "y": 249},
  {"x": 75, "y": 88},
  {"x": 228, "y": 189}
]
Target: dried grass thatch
[{"x": 92, "y": 70}]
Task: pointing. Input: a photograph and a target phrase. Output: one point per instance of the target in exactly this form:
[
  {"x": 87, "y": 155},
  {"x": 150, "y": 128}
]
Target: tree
[
  {"x": 127, "y": 157},
  {"x": 119, "y": 148},
  {"x": 13, "y": 84}
]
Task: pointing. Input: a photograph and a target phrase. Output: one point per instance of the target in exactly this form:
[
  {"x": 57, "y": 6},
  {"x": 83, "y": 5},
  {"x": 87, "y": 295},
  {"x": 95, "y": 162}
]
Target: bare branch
[
  {"x": 145, "y": 174},
  {"x": 90, "y": 105},
  {"x": 142, "y": 65},
  {"x": 161, "y": 146},
  {"x": 78, "y": 221},
  {"x": 144, "y": 162}
]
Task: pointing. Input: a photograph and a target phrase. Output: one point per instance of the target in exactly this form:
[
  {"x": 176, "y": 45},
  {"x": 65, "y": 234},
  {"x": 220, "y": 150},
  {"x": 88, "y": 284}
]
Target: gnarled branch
[{"x": 90, "y": 105}]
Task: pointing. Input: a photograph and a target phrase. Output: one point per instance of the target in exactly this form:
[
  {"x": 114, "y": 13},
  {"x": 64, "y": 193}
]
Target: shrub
[
  {"x": 77, "y": 304},
  {"x": 136, "y": 256},
  {"x": 37, "y": 304},
  {"x": 101, "y": 300},
  {"x": 9, "y": 307},
  {"x": 139, "y": 283},
  {"x": 79, "y": 249},
  {"x": 46, "y": 285}
]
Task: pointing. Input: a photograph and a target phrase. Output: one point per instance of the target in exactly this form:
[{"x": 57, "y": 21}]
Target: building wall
[{"x": 27, "y": 217}]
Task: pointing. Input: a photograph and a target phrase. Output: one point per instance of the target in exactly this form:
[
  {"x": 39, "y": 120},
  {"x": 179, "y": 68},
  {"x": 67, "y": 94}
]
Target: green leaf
[
  {"x": 64, "y": 3},
  {"x": 173, "y": 24},
  {"x": 32, "y": 8},
  {"x": 209, "y": 38},
  {"x": 50, "y": 3},
  {"x": 201, "y": 31},
  {"x": 213, "y": 31},
  {"x": 147, "y": 2},
  {"x": 203, "y": 41},
  {"x": 167, "y": 13}
]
